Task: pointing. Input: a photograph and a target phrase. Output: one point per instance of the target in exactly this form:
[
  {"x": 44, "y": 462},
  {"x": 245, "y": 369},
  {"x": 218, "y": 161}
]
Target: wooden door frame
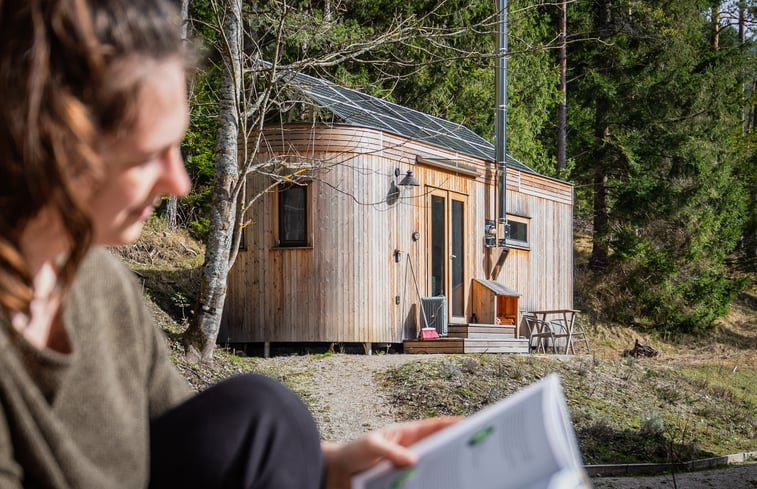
[{"x": 448, "y": 196}]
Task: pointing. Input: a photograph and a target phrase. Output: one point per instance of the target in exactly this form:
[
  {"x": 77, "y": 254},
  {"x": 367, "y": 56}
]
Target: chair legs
[{"x": 540, "y": 331}]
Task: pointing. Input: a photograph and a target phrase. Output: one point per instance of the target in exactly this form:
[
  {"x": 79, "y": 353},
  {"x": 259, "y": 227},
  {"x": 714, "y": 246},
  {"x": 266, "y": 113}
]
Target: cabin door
[{"x": 446, "y": 242}]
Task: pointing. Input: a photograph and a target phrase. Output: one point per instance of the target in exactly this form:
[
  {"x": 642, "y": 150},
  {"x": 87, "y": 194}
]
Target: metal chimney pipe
[{"x": 500, "y": 124}]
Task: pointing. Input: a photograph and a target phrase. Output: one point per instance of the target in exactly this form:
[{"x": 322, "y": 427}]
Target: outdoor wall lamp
[{"x": 409, "y": 180}]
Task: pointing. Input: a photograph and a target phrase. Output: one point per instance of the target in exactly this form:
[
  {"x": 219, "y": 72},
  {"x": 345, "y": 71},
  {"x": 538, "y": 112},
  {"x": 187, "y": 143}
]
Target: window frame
[
  {"x": 517, "y": 243},
  {"x": 281, "y": 189}
]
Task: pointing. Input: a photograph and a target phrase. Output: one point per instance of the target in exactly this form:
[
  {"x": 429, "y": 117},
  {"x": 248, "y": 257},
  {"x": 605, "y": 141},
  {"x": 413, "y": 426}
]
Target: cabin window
[
  {"x": 517, "y": 231},
  {"x": 293, "y": 215}
]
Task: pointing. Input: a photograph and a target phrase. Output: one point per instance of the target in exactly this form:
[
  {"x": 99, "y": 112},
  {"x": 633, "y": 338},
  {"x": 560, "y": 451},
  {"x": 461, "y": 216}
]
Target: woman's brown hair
[{"x": 59, "y": 99}]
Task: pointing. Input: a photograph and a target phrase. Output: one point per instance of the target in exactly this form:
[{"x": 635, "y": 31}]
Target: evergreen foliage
[
  {"x": 450, "y": 73},
  {"x": 667, "y": 147},
  {"x": 657, "y": 145},
  {"x": 200, "y": 141}
]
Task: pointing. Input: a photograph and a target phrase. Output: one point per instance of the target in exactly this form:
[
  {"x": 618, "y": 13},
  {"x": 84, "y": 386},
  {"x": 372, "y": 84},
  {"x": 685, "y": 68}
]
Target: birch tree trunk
[{"x": 200, "y": 337}]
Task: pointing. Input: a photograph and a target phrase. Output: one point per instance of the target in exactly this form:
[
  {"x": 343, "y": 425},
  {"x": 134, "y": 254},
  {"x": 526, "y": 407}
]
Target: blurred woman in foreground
[{"x": 93, "y": 112}]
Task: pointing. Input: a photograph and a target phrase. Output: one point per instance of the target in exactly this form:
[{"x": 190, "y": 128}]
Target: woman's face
[{"x": 145, "y": 162}]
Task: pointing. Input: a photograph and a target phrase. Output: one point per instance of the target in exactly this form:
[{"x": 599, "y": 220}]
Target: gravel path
[
  {"x": 734, "y": 477},
  {"x": 341, "y": 390}
]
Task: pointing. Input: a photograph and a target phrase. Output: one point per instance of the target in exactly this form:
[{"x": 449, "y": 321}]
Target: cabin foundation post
[
  {"x": 266, "y": 349},
  {"x": 367, "y": 348}
]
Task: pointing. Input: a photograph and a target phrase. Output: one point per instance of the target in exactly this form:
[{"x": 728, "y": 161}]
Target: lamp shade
[{"x": 409, "y": 180}]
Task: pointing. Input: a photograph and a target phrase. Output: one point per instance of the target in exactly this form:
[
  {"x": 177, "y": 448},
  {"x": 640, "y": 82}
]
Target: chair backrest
[
  {"x": 533, "y": 325},
  {"x": 538, "y": 326},
  {"x": 559, "y": 326}
]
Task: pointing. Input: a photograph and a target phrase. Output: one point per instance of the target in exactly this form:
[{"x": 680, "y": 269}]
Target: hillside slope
[{"x": 697, "y": 398}]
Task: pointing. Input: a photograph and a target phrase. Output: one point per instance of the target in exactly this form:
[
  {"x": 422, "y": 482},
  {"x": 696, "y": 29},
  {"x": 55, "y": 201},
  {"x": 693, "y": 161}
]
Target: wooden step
[
  {"x": 481, "y": 331},
  {"x": 466, "y": 345}
]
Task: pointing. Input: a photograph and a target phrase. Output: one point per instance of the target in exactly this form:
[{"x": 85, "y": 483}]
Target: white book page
[{"x": 512, "y": 444}]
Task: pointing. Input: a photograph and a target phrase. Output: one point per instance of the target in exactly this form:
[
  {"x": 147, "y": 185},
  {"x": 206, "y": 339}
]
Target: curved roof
[{"x": 360, "y": 109}]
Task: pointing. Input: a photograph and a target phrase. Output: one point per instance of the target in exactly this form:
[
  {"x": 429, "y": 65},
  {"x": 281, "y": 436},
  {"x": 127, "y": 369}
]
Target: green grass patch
[
  {"x": 623, "y": 412},
  {"x": 735, "y": 384}
]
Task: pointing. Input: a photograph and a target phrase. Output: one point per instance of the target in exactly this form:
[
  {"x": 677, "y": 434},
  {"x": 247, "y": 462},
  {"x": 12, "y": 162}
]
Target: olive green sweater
[{"x": 81, "y": 420}]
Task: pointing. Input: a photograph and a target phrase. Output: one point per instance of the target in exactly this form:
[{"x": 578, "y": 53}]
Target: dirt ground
[
  {"x": 732, "y": 477},
  {"x": 342, "y": 414},
  {"x": 345, "y": 412}
]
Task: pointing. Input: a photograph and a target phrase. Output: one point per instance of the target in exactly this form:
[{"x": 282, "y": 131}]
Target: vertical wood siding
[{"x": 343, "y": 288}]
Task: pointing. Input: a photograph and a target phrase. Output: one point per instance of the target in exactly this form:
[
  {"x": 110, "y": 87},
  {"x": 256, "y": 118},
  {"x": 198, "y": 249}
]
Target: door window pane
[
  {"x": 457, "y": 259},
  {"x": 438, "y": 245}
]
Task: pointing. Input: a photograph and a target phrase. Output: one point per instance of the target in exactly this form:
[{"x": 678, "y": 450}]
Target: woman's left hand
[{"x": 343, "y": 460}]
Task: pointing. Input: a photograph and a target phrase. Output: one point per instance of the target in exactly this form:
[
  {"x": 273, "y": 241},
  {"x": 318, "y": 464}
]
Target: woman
[{"x": 92, "y": 116}]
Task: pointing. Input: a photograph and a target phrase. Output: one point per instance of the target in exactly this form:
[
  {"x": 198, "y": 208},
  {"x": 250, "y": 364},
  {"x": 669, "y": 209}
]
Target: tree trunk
[
  {"x": 715, "y": 40},
  {"x": 742, "y": 22},
  {"x": 600, "y": 226},
  {"x": 172, "y": 204},
  {"x": 562, "y": 107},
  {"x": 200, "y": 337},
  {"x": 599, "y": 250}
]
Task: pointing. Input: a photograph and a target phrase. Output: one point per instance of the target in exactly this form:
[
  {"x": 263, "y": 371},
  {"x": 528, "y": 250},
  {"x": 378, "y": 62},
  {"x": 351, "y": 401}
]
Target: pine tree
[{"x": 664, "y": 106}]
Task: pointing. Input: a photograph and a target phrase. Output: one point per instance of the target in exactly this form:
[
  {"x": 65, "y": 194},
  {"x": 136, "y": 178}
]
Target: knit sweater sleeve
[
  {"x": 10, "y": 472},
  {"x": 82, "y": 419}
]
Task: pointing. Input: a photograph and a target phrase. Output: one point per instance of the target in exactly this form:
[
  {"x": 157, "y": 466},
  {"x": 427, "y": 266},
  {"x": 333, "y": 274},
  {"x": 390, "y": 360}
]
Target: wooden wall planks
[{"x": 343, "y": 287}]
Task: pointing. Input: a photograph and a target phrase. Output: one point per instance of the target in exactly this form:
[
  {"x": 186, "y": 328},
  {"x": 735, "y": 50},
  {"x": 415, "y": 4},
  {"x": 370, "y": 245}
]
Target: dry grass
[
  {"x": 168, "y": 264},
  {"x": 623, "y": 411},
  {"x": 698, "y": 397},
  {"x": 733, "y": 342}
]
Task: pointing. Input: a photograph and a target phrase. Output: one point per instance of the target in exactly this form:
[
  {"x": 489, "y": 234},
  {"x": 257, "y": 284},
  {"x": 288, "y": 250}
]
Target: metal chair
[
  {"x": 539, "y": 330},
  {"x": 578, "y": 332},
  {"x": 560, "y": 330}
]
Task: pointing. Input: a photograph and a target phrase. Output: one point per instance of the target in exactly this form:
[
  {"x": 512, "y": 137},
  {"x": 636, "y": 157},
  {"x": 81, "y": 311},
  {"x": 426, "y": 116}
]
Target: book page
[
  {"x": 558, "y": 424},
  {"x": 510, "y": 444}
]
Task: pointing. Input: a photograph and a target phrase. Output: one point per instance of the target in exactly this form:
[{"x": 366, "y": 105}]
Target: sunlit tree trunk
[
  {"x": 201, "y": 335},
  {"x": 715, "y": 38}
]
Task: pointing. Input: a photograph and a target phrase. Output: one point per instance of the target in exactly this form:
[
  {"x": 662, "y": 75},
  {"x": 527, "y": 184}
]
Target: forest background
[{"x": 658, "y": 140}]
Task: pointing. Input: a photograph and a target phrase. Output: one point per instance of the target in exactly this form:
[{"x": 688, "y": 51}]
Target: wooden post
[{"x": 266, "y": 349}]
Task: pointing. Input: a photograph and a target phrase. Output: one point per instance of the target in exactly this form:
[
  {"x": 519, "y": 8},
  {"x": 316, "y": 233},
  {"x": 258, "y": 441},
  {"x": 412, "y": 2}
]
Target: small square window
[{"x": 517, "y": 231}]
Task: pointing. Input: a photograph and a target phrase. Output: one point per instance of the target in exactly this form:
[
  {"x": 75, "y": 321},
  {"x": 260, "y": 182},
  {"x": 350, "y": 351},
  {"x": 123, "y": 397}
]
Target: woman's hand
[{"x": 343, "y": 460}]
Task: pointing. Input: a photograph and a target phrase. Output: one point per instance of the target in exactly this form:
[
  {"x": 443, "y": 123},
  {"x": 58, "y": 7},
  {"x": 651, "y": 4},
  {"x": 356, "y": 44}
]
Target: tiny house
[{"x": 385, "y": 227}]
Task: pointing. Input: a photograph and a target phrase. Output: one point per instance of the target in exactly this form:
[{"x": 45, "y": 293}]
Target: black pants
[{"x": 245, "y": 432}]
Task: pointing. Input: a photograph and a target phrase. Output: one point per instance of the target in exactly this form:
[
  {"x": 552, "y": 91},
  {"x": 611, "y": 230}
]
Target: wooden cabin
[{"x": 346, "y": 252}]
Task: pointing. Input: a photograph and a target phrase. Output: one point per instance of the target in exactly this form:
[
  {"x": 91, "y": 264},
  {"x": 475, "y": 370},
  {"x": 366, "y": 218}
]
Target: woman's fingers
[
  {"x": 343, "y": 461},
  {"x": 408, "y": 433}
]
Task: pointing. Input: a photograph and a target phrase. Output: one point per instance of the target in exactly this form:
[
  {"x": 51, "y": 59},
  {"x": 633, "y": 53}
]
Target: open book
[{"x": 524, "y": 441}]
